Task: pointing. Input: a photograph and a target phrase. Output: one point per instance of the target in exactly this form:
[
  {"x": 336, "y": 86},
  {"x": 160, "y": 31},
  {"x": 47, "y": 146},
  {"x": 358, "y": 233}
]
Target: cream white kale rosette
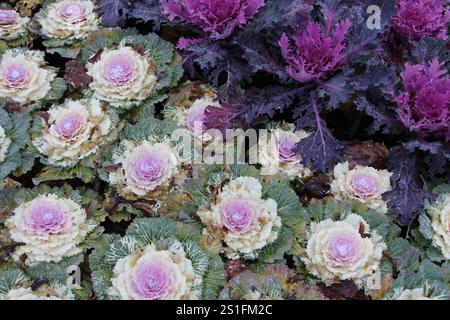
[
  {"x": 243, "y": 217},
  {"x": 70, "y": 137},
  {"x": 17, "y": 284},
  {"x": 434, "y": 229},
  {"x": 145, "y": 166},
  {"x": 342, "y": 241},
  {"x": 13, "y": 133},
  {"x": 157, "y": 259},
  {"x": 65, "y": 23},
  {"x": 130, "y": 70},
  {"x": 25, "y": 78},
  {"x": 364, "y": 184},
  {"x": 51, "y": 225},
  {"x": 276, "y": 152},
  {"x": 13, "y": 27}
]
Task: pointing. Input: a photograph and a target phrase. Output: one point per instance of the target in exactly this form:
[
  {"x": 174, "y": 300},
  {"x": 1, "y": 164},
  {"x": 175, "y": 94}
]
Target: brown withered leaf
[
  {"x": 89, "y": 213},
  {"x": 113, "y": 168},
  {"x": 12, "y": 107},
  {"x": 386, "y": 283},
  {"x": 234, "y": 267},
  {"x": 216, "y": 190},
  {"x": 44, "y": 115},
  {"x": 185, "y": 94},
  {"x": 138, "y": 47},
  {"x": 346, "y": 289},
  {"x": 391, "y": 261},
  {"x": 147, "y": 206},
  {"x": 365, "y": 153},
  {"x": 26, "y": 7},
  {"x": 76, "y": 75},
  {"x": 316, "y": 186},
  {"x": 22, "y": 259},
  {"x": 362, "y": 231}
]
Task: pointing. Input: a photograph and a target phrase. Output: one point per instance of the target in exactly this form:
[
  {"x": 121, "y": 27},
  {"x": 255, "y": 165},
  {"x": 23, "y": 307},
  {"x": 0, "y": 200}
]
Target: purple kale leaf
[
  {"x": 278, "y": 14},
  {"x": 147, "y": 10},
  {"x": 384, "y": 119},
  {"x": 260, "y": 55},
  {"x": 429, "y": 48},
  {"x": 212, "y": 63},
  {"x": 243, "y": 109},
  {"x": 230, "y": 72},
  {"x": 315, "y": 52},
  {"x": 435, "y": 157},
  {"x": 422, "y": 18},
  {"x": 321, "y": 150},
  {"x": 338, "y": 89},
  {"x": 265, "y": 103},
  {"x": 406, "y": 199},
  {"x": 424, "y": 103},
  {"x": 218, "y": 18},
  {"x": 114, "y": 12},
  {"x": 227, "y": 116}
]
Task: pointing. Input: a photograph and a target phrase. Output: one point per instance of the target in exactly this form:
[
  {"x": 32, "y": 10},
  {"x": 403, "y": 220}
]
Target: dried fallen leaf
[{"x": 76, "y": 75}]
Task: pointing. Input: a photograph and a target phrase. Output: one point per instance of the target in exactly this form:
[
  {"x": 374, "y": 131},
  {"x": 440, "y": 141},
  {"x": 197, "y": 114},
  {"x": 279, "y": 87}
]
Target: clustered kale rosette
[
  {"x": 113, "y": 115},
  {"x": 344, "y": 241},
  {"x": 157, "y": 259},
  {"x": 70, "y": 137},
  {"x": 128, "y": 69},
  {"x": 13, "y": 27},
  {"x": 47, "y": 224},
  {"x": 63, "y": 24},
  {"x": 242, "y": 216},
  {"x": 27, "y": 79},
  {"x": 145, "y": 167}
]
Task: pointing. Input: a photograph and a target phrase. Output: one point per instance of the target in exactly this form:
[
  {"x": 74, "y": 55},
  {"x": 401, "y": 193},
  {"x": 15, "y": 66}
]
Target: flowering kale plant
[{"x": 224, "y": 149}]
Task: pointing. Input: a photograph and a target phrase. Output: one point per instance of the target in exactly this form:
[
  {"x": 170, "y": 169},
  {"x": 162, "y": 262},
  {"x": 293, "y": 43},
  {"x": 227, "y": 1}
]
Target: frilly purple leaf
[
  {"x": 424, "y": 103},
  {"x": 218, "y": 18},
  {"x": 114, "y": 12},
  {"x": 419, "y": 18},
  {"x": 316, "y": 51}
]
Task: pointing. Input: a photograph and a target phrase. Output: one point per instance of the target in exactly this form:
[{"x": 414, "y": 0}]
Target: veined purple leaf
[
  {"x": 114, "y": 12},
  {"x": 406, "y": 199},
  {"x": 147, "y": 10},
  {"x": 321, "y": 150}
]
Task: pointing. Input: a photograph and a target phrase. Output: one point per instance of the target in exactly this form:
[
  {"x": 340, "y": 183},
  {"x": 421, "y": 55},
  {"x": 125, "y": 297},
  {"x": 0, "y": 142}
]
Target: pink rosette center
[
  {"x": 286, "y": 150},
  {"x": 71, "y": 11},
  {"x": 364, "y": 185},
  {"x": 69, "y": 125},
  {"x": 238, "y": 216},
  {"x": 152, "y": 281},
  {"x": 147, "y": 168},
  {"x": 7, "y": 17},
  {"x": 16, "y": 75},
  {"x": 343, "y": 248},
  {"x": 119, "y": 70},
  {"x": 194, "y": 121},
  {"x": 45, "y": 218}
]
